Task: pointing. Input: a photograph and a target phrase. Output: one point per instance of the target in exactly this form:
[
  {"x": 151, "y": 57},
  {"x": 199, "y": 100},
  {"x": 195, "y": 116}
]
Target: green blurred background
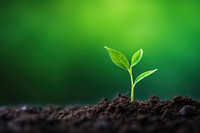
[{"x": 52, "y": 51}]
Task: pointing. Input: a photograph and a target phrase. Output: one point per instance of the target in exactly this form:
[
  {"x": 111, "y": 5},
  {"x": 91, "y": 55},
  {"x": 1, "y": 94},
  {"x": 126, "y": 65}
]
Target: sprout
[{"x": 120, "y": 60}]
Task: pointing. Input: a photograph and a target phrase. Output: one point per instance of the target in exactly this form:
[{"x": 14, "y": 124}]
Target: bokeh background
[{"x": 52, "y": 51}]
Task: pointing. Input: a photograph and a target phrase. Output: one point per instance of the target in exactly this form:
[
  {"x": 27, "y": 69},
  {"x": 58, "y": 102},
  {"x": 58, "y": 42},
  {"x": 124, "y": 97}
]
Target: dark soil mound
[{"x": 180, "y": 115}]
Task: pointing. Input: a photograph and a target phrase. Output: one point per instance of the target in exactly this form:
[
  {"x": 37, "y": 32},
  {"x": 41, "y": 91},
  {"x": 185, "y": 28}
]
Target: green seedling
[{"x": 120, "y": 60}]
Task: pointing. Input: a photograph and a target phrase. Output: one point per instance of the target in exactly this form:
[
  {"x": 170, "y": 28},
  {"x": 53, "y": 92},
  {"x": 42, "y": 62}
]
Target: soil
[{"x": 180, "y": 115}]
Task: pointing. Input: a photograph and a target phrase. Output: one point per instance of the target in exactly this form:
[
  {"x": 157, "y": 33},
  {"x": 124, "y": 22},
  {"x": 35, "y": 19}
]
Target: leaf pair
[{"x": 120, "y": 60}]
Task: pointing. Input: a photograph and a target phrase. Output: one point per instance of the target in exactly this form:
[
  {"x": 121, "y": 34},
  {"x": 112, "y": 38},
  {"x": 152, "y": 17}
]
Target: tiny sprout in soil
[{"x": 120, "y": 60}]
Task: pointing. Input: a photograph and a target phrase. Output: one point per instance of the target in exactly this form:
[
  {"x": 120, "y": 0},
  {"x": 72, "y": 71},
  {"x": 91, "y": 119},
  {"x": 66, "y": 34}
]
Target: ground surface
[{"x": 179, "y": 115}]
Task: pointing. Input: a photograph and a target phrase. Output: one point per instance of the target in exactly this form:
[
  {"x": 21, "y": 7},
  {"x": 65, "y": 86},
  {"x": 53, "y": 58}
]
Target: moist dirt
[{"x": 179, "y": 115}]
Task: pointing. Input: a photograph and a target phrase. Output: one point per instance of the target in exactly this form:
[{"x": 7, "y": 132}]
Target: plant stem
[{"x": 132, "y": 84}]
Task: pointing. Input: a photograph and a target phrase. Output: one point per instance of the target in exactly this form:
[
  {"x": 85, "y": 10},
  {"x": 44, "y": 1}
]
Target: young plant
[{"x": 120, "y": 60}]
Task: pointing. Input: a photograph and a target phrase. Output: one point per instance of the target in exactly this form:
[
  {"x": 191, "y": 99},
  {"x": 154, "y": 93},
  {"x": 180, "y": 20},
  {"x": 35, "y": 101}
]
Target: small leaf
[
  {"x": 143, "y": 75},
  {"x": 118, "y": 58},
  {"x": 136, "y": 57}
]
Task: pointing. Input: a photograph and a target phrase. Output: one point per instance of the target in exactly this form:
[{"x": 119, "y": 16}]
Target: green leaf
[
  {"x": 144, "y": 75},
  {"x": 118, "y": 58},
  {"x": 136, "y": 57}
]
